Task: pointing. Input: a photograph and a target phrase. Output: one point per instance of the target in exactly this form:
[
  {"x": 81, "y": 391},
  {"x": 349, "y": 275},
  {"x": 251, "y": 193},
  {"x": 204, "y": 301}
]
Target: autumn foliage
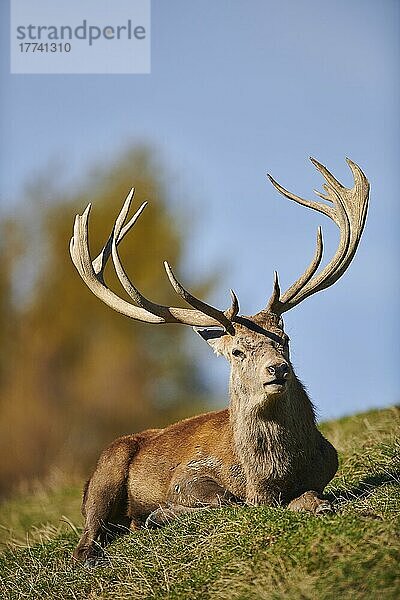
[{"x": 74, "y": 374}]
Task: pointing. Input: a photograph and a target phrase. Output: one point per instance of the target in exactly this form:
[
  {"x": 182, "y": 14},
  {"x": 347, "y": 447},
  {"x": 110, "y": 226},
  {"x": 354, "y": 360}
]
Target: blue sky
[{"x": 238, "y": 89}]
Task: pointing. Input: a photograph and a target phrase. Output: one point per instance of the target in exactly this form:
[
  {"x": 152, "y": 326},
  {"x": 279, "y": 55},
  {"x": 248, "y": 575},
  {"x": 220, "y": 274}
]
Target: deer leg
[
  {"x": 104, "y": 503},
  {"x": 190, "y": 494},
  {"x": 105, "y": 519},
  {"x": 310, "y": 502}
]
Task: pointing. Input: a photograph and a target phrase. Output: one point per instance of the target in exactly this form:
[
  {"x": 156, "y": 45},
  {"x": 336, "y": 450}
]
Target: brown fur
[{"x": 263, "y": 449}]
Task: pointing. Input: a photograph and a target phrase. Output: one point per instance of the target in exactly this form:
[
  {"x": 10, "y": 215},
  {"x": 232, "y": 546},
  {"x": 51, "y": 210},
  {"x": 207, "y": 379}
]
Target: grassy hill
[{"x": 234, "y": 553}]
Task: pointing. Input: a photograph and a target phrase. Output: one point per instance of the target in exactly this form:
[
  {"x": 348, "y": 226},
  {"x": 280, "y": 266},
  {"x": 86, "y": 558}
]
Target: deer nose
[{"x": 280, "y": 371}]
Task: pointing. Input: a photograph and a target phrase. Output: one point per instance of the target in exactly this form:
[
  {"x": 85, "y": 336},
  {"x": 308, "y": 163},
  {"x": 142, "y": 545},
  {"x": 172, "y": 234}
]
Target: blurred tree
[
  {"x": 74, "y": 374},
  {"x": 10, "y": 251}
]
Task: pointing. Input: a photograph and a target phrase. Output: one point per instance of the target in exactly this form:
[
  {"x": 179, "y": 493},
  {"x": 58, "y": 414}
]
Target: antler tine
[
  {"x": 309, "y": 272},
  {"x": 199, "y": 304},
  {"x": 319, "y": 206},
  {"x": 92, "y": 273},
  {"x": 348, "y": 211},
  {"x": 131, "y": 290},
  {"x": 99, "y": 263},
  {"x": 234, "y": 308},
  {"x": 332, "y": 182}
]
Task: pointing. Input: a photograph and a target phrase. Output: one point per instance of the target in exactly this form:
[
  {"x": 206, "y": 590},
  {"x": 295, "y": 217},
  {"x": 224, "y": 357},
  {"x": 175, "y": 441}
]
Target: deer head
[
  {"x": 256, "y": 346},
  {"x": 259, "y": 357}
]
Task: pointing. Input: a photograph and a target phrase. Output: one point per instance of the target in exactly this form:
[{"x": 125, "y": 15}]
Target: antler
[
  {"x": 92, "y": 273},
  {"x": 348, "y": 211}
]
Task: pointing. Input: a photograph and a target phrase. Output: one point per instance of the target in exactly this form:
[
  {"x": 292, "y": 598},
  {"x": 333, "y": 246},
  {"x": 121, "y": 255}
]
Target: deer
[{"x": 265, "y": 447}]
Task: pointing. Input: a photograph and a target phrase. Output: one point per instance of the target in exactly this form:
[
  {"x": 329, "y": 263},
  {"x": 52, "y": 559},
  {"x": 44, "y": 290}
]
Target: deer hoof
[
  {"x": 96, "y": 561},
  {"x": 324, "y": 508},
  {"x": 309, "y": 502},
  {"x": 159, "y": 517}
]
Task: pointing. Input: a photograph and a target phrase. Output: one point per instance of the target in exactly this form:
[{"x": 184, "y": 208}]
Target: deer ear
[{"x": 214, "y": 337}]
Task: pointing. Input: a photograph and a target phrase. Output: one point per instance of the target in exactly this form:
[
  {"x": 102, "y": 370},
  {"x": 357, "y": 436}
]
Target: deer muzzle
[{"x": 277, "y": 375}]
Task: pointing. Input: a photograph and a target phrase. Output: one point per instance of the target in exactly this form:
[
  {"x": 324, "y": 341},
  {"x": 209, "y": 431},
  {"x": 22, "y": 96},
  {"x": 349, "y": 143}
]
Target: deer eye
[{"x": 238, "y": 353}]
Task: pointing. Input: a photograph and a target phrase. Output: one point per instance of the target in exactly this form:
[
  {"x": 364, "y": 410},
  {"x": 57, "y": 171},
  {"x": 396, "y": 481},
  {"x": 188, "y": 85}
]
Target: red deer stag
[{"x": 265, "y": 448}]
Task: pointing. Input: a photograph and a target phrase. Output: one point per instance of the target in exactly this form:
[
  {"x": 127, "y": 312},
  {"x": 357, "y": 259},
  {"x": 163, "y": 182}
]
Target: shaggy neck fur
[{"x": 273, "y": 436}]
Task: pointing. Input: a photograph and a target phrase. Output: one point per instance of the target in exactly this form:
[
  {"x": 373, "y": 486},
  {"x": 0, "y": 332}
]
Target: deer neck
[{"x": 272, "y": 436}]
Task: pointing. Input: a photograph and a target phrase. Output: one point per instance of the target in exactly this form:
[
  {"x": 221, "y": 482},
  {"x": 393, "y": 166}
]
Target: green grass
[{"x": 232, "y": 553}]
